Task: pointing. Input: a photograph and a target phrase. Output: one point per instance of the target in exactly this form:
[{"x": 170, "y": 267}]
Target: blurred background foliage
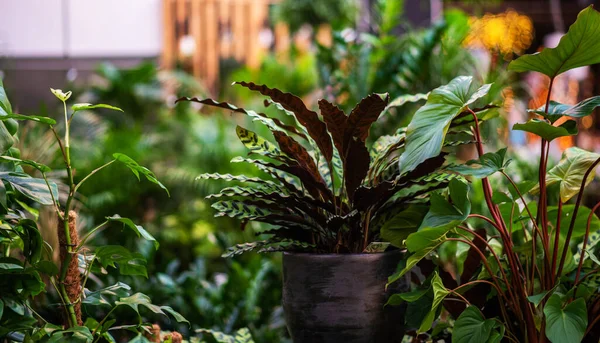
[{"x": 180, "y": 142}]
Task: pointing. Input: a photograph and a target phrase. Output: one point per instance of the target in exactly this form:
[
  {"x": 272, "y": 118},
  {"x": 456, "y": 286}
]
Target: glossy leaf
[
  {"x": 579, "y": 47},
  {"x": 402, "y": 224},
  {"x": 485, "y": 166},
  {"x": 139, "y": 299},
  {"x": 87, "y": 106},
  {"x": 472, "y": 327},
  {"x": 449, "y": 213},
  {"x": 309, "y": 119},
  {"x": 569, "y": 172},
  {"x": 129, "y": 263},
  {"x": 42, "y": 168},
  {"x": 439, "y": 293},
  {"x": 557, "y": 110},
  {"x": 546, "y": 130},
  {"x": 580, "y": 222},
  {"x": 257, "y": 144},
  {"x": 140, "y": 231},
  {"x": 406, "y": 98},
  {"x": 136, "y": 169},
  {"x": 427, "y": 130},
  {"x": 39, "y": 119},
  {"x": 565, "y": 322},
  {"x": 35, "y": 189}
]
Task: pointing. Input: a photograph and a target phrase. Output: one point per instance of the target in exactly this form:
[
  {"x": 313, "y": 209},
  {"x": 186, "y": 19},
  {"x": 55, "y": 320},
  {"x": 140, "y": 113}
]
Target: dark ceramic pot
[{"x": 335, "y": 298}]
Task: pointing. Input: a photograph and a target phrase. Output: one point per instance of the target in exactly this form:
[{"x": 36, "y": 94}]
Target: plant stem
[
  {"x": 556, "y": 240},
  {"x": 583, "y": 248},
  {"x": 92, "y": 173},
  {"x": 88, "y": 235},
  {"x": 574, "y": 216}
]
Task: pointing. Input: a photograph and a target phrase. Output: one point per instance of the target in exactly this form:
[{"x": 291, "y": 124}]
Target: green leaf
[
  {"x": 439, "y": 293},
  {"x": 39, "y": 119},
  {"x": 42, "y": 168},
  {"x": 569, "y": 172},
  {"x": 398, "y": 227},
  {"x": 62, "y": 96},
  {"x": 4, "y": 103},
  {"x": 548, "y": 131},
  {"x": 485, "y": 166},
  {"x": 449, "y": 213},
  {"x": 412, "y": 296},
  {"x": 96, "y": 298},
  {"x": 557, "y": 110},
  {"x": 34, "y": 189},
  {"x": 136, "y": 169},
  {"x": 580, "y": 222},
  {"x": 472, "y": 327},
  {"x": 405, "y": 98},
  {"x": 32, "y": 240},
  {"x": 178, "y": 317},
  {"x": 579, "y": 47},
  {"x": 129, "y": 263},
  {"x": 139, "y": 299},
  {"x": 257, "y": 144},
  {"x": 427, "y": 130},
  {"x": 565, "y": 322},
  {"x": 86, "y": 106},
  {"x": 140, "y": 231}
]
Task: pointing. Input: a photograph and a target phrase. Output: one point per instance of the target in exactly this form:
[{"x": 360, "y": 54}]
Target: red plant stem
[
  {"x": 585, "y": 239},
  {"x": 574, "y": 216},
  {"x": 556, "y": 239}
]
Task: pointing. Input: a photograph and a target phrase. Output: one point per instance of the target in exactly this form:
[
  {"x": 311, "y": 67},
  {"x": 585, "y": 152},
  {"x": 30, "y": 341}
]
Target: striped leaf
[{"x": 257, "y": 144}]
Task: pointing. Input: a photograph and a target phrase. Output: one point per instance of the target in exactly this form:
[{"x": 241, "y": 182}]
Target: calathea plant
[
  {"x": 26, "y": 258},
  {"x": 531, "y": 273},
  {"x": 327, "y": 191}
]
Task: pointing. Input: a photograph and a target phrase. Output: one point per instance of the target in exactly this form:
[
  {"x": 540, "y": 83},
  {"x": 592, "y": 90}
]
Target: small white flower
[{"x": 62, "y": 96}]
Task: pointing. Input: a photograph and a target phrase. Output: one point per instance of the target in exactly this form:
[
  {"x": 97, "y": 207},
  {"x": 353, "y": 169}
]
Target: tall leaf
[
  {"x": 579, "y": 47},
  {"x": 34, "y": 189},
  {"x": 295, "y": 150},
  {"x": 335, "y": 119},
  {"x": 427, "y": 130},
  {"x": 309, "y": 119},
  {"x": 364, "y": 115}
]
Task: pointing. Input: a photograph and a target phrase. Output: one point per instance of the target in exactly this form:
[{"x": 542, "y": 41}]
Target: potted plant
[
  {"x": 530, "y": 272},
  {"x": 336, "y": 208}
]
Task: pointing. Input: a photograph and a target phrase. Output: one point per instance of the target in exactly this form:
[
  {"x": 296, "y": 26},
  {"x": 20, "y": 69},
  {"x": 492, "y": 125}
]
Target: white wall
[{"x": 80, "y": 28}]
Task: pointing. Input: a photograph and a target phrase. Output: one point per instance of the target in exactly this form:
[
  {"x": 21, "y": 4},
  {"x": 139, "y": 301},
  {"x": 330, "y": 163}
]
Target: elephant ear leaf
[
  {"x": 426, "y": 132},
  {"x": 309, "y": 119},
  {"x": 579, "y": 47},
  {"x": 471, "y": 326},
  {"x": 565, "y": 323},
  {"x": 546, "y": 130},
  {"x": 569, "y": 172}
]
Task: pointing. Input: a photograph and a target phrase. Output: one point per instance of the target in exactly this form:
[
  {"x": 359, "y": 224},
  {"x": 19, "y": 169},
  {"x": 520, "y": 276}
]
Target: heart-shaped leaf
[
  {"x": 546, "y": 130},
  {"x": 579, "y": 47},
  {"x": 472, "y": 327},
  {"x": 565, "y": 323},
  {"x": 426, "y": 132}
]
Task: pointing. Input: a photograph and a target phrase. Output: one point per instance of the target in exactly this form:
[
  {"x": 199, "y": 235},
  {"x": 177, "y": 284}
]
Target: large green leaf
[
  {"x": 546, "y": 130},
  {"x": 140, "y": 231},
  {"x": 449, "y": 212},
  {"x": 129, "y": 263},
  {"x": 136, "y": 169},
  {"x": 580, "y": 222},
  {"x": 35, "y": 189},
  {"x": 139, "y": 299},
  {"x": 427, "y": 130},
  {"x": 439, "y": 293},
  {"x": 557, "y": 110},
  {"x": 569, "y": 172},
  {"x": 565, "y": 322},
  {"x": 579, "y": 47},
  {"x": 485, "y": 166},
  {"x": 471, "y": 327},
  {"x": 400, "y": 225}
]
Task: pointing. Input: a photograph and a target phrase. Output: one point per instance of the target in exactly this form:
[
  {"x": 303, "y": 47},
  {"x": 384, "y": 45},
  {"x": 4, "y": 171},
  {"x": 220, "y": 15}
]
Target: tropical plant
[
  {"x": 333, "y": 197},
  {"x": 26, "y": 257},
  {"x": 532, "y": 275}
]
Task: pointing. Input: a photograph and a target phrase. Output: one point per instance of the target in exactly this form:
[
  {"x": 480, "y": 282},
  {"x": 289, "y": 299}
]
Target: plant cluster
[
  {"x": 330, "y": 194},
  {"x": 26, "y": 264},
  {"x": 530, "y": 270}
]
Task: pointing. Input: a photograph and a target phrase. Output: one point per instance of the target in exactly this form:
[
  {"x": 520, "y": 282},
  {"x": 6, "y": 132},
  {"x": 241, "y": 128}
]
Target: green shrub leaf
[
  {"x": 34, "y": 189},
  {"x": 86, "y": 106},
  {"x": 129, "y": 263},
  {"x": 565, "y": 323},
  {"x": 427, "y": 130},
  {"x": 471, "y": 326},
  {"x": 485, "y": 166},
  {"x": 546, "y": 130},
  {"x": 579, "y": 47},
  {"x": 140, "y": 231},
  {"x": 136, "y": 169},
  {"x": 557, "y": 110}
]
